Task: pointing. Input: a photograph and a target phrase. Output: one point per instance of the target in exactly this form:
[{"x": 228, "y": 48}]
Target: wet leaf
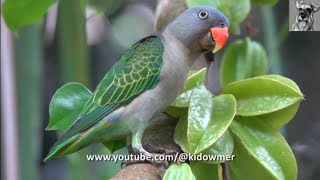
[
  {"x": 265, "y": 152},
  {"x": 202, "y": 170},
  {"x": 286, "y": 81},
  {"x": 279, "y": 118},
  {"x": 176, "y": 112},
  {"x": 182, "y": 171},
  {"x": 243, "y": 59},
  {"x": 222, "y": 147},
  {"x": 263, "y": 94},
  {"x": 208, "y": 118},
  {"x": 183, "y": 99},
  {"x": 195, "y": 79},
  {"x": 66, "y": 104},
  {"x": 180, "y": 134},
  {"x": 223, "y": 144}
]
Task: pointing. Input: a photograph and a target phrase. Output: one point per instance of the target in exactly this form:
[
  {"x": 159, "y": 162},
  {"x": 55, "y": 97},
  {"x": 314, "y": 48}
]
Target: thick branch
[{"x": 158, "y": 134}]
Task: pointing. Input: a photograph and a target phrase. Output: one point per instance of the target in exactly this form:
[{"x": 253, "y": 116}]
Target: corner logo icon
[{"x": 305, "y": 16}]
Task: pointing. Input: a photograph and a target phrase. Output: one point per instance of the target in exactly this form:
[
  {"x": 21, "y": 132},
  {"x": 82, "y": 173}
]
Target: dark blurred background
[{"x": 109, "y": 34}]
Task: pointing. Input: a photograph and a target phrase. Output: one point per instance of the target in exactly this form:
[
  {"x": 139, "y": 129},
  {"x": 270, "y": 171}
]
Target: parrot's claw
[
  {"x": 137, "y": 150},
  {"x": 141, "y": 150},
  {"x": 137, "y": 146}
]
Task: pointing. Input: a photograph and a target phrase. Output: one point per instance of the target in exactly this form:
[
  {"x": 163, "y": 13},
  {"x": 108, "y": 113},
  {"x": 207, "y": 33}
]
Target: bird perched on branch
[{"x": 144, "y": 81}]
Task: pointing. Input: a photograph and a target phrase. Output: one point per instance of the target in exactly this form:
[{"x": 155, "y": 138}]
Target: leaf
[
  {"x": 180, "y": 134},
  {"x": 261, "y": 153},
  {"x": 114, "y": 145},
  {"x": 178, "y": 108},
  {"x": 243, "y": 59},
  {"x": 263, "y": 94},
  {"x": 195, "y": 79},
  {"x": 279, "y": 118},
  {"x": 236, "y": 12},
  {"x": 223, "y": 146},
  {"x": 286, "y": 81},
  {"x": 66, "y": 104},
  {"x": 265, "y": 2},
  {"x": 18, "y": 13},
  {"x": 208, "y": 118},
  {"x": 183, "y": 99},
  {"x": 202, "y": 170},
  {"x": 181, "y": 171},
  {"x": 176, "y": 112}
]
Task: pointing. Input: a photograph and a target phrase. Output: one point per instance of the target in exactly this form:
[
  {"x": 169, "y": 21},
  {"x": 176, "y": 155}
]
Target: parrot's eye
[{"x": 203, "y": 14}]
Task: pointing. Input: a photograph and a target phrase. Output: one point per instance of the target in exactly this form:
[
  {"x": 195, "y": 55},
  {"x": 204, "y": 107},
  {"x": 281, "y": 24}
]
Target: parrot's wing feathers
[{"x": 136, "y": 71}]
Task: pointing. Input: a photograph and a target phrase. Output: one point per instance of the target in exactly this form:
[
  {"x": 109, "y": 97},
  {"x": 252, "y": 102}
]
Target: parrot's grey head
[{"x": 201, "y": 29}]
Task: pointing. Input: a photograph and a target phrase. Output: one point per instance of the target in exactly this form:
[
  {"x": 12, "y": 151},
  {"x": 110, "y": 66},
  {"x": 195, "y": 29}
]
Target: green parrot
[{"x": 144, "y": 81}]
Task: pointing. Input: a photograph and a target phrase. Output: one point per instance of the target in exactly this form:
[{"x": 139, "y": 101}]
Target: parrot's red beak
[{"x": 220, "y": 36}]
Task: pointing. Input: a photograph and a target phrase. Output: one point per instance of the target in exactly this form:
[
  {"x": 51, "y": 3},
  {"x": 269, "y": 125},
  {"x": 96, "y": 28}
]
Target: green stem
[
  {"x": 270, "y": 38},
  {"x": 272, "y": 42},
  {"x": 29, "y": 58},
  {"x": 72, "y": 42},
  {"x": 73, "y": 51}
]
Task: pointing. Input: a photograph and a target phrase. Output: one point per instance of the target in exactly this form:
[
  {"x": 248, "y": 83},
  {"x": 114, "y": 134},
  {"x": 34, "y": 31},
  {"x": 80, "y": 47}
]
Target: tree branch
[{"x": 158, "y": 134}]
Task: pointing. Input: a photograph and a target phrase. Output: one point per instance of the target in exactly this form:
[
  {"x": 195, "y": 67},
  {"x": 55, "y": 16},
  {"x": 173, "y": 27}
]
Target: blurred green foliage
[
  {"x": 243, "y": 59},
  {"x": 19, "y": 13}
]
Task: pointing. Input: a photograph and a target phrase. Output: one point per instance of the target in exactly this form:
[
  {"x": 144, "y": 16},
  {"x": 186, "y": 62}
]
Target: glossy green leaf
[
  {"x": 183, "y": 99},
  {"x": 203, "y": 171},
  {"x": 286, "y": 81},
  {"x": 279, "y": 118},
  {"x": 176, "y": 112},
  {"x": 236, "y": 12},
  {"x": 243, "y": 59},
  {"x": 182, "y": 171},
  {"x": 208, "y": 118},
  {"x": 262, "y": 95},
  {"x": 195, "y": 78},
  {"x": 265, "y": 2},
  {"x": 66, "y": 105},
  {"x": 18, "y": 13},
  {"x": 180, "y": 134},
  {"x": 261, "y": 153},
  {"x": 223, "y": 146},
  {"x": 199, "y": 117}
]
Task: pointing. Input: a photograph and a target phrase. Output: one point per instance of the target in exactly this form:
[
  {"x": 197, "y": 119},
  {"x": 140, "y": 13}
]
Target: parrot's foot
[
  {"x": 141, "y": 150},
  {"x": 137, "y": 146},
  {"x": 138, "y": 150}
]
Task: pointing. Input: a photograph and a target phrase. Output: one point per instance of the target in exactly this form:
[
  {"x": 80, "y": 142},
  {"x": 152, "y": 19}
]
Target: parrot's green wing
[{"x": 136, "y": 71}]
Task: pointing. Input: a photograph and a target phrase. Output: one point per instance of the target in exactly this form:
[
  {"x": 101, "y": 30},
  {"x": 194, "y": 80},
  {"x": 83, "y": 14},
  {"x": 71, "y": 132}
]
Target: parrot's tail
[{"x": 58, "y": 149}]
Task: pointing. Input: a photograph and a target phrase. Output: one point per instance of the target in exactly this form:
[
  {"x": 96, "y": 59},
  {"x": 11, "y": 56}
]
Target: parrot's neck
[{"x": 171, "y": 39}]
